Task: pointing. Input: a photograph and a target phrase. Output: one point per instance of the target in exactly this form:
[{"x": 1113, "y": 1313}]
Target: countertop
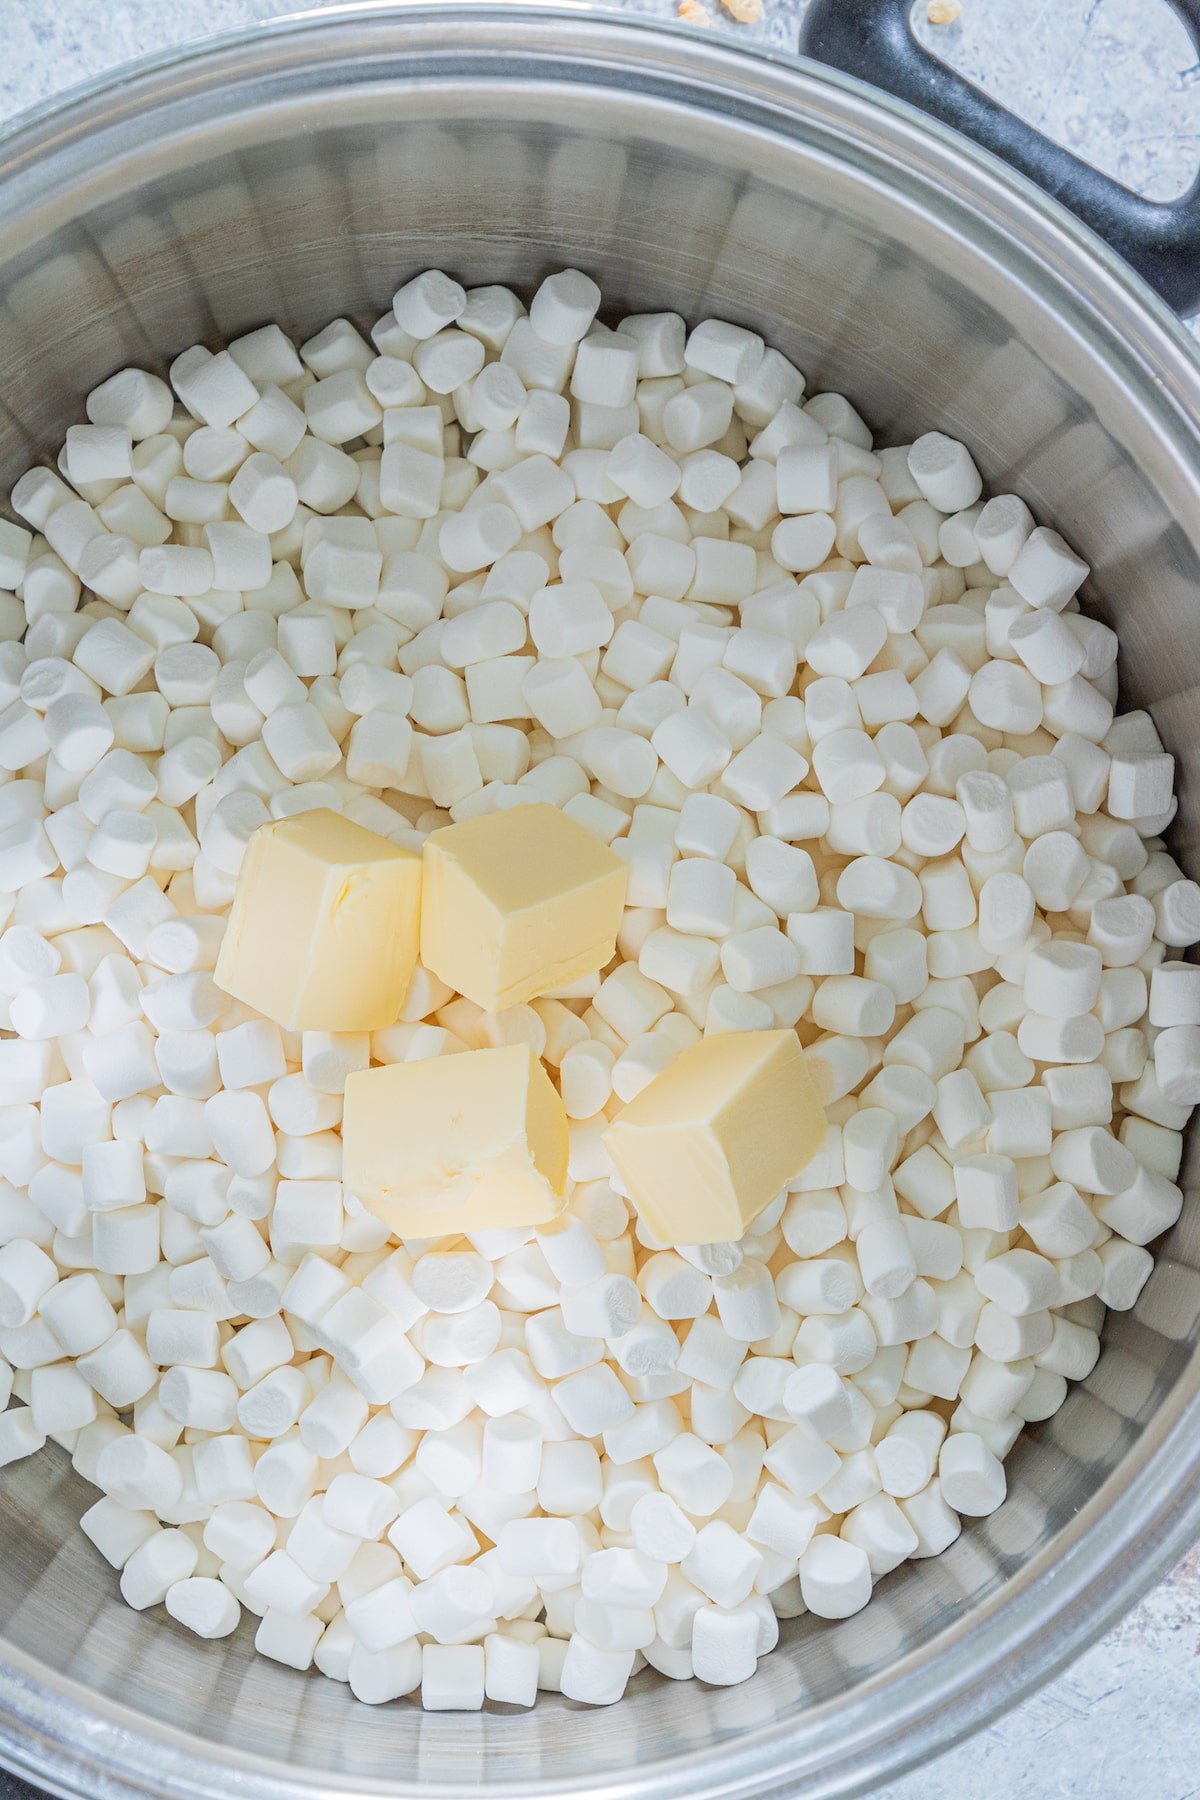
[{"x": 1119, "y": 83}]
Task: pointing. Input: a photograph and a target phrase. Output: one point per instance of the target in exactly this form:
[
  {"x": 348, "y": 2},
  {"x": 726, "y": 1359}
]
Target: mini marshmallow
[
  {"x": 428, "y": 303},
  {"x": 1091, "y": 1159},
  {"x": 562, "y": 309},
  {"x": 917, "y": 781},
  {"x": 835, "y": 1578},
  {"x": 1045, "y": 571},
  {"x": 1046, "y": 644},
  {"x": 944, "y": 471},
  {"x": 972, "y": 1479},
  {"x": 1177, "y": 914},
  {"x": 1121, "y": 929},
  {"x": 1177, "y": 1063},
  {"x": 1007, "y": 698},
  {"x": 1140, "y": 783}
]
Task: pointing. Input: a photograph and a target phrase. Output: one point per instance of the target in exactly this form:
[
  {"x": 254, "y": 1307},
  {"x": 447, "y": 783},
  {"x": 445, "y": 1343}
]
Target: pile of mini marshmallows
[{"x": 857, "y": 745}]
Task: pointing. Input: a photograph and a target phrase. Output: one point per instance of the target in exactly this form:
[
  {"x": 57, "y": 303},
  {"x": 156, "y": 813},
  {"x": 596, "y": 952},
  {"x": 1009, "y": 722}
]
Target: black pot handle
[{"x": 874, "y": 39}]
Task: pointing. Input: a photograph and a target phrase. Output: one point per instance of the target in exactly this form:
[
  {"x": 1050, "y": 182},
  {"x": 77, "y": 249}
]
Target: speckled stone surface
[{"x": 1118, "y": 81}]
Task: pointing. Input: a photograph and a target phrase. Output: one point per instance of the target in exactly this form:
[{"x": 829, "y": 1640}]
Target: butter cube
[
  {"x": 518, "y": 902},
  {"x": 456, "y": 1143},
  {"x": 712, "y": 1140},
  {"x": 324, "y": 928}
]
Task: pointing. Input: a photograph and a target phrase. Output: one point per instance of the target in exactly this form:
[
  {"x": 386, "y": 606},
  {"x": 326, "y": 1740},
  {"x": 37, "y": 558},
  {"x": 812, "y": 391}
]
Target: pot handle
[{"x": 873, "y": 39}]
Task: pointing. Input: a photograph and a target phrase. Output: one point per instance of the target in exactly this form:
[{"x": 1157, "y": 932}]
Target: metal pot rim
[{"x": 59, "y": 1733}]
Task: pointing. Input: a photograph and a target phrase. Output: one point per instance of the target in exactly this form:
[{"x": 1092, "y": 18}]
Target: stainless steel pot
[{"x": 298, "y": 171}]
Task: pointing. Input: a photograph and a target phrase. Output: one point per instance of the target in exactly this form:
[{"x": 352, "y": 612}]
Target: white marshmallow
[
  {"x": 835, "y": 1578},
  {"x": 1046, "y": 571}
]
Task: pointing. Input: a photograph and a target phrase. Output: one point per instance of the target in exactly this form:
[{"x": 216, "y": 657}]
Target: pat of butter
[
  {"x": 518, "y": 902},
  {"x": 456, "y": 1143},
  {"x": 325, "y": 923},
  {"x": 712, "y": 1140}
]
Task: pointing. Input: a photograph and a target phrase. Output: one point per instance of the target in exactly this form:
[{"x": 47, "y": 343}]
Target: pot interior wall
[{"x": 158, "y": 239}]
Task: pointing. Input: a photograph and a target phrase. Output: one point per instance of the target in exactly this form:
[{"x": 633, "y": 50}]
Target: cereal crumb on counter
[
  {"x": 692, "y": 13},
  {"x": 944, "y": 12},
  {"x": 746, "y": 12}
]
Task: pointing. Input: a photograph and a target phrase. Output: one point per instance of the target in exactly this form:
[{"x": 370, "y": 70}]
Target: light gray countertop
[{"x": 1119, "y": 83}]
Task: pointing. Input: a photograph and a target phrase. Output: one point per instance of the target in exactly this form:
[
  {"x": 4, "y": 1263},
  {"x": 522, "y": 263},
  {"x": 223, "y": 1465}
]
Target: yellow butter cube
[
  {"x": 711, "y": 1141},
  {"x": 325, "y": 925},
  {"x": 516, "y": 903},
  {"x": 470, "y": 1142}
]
